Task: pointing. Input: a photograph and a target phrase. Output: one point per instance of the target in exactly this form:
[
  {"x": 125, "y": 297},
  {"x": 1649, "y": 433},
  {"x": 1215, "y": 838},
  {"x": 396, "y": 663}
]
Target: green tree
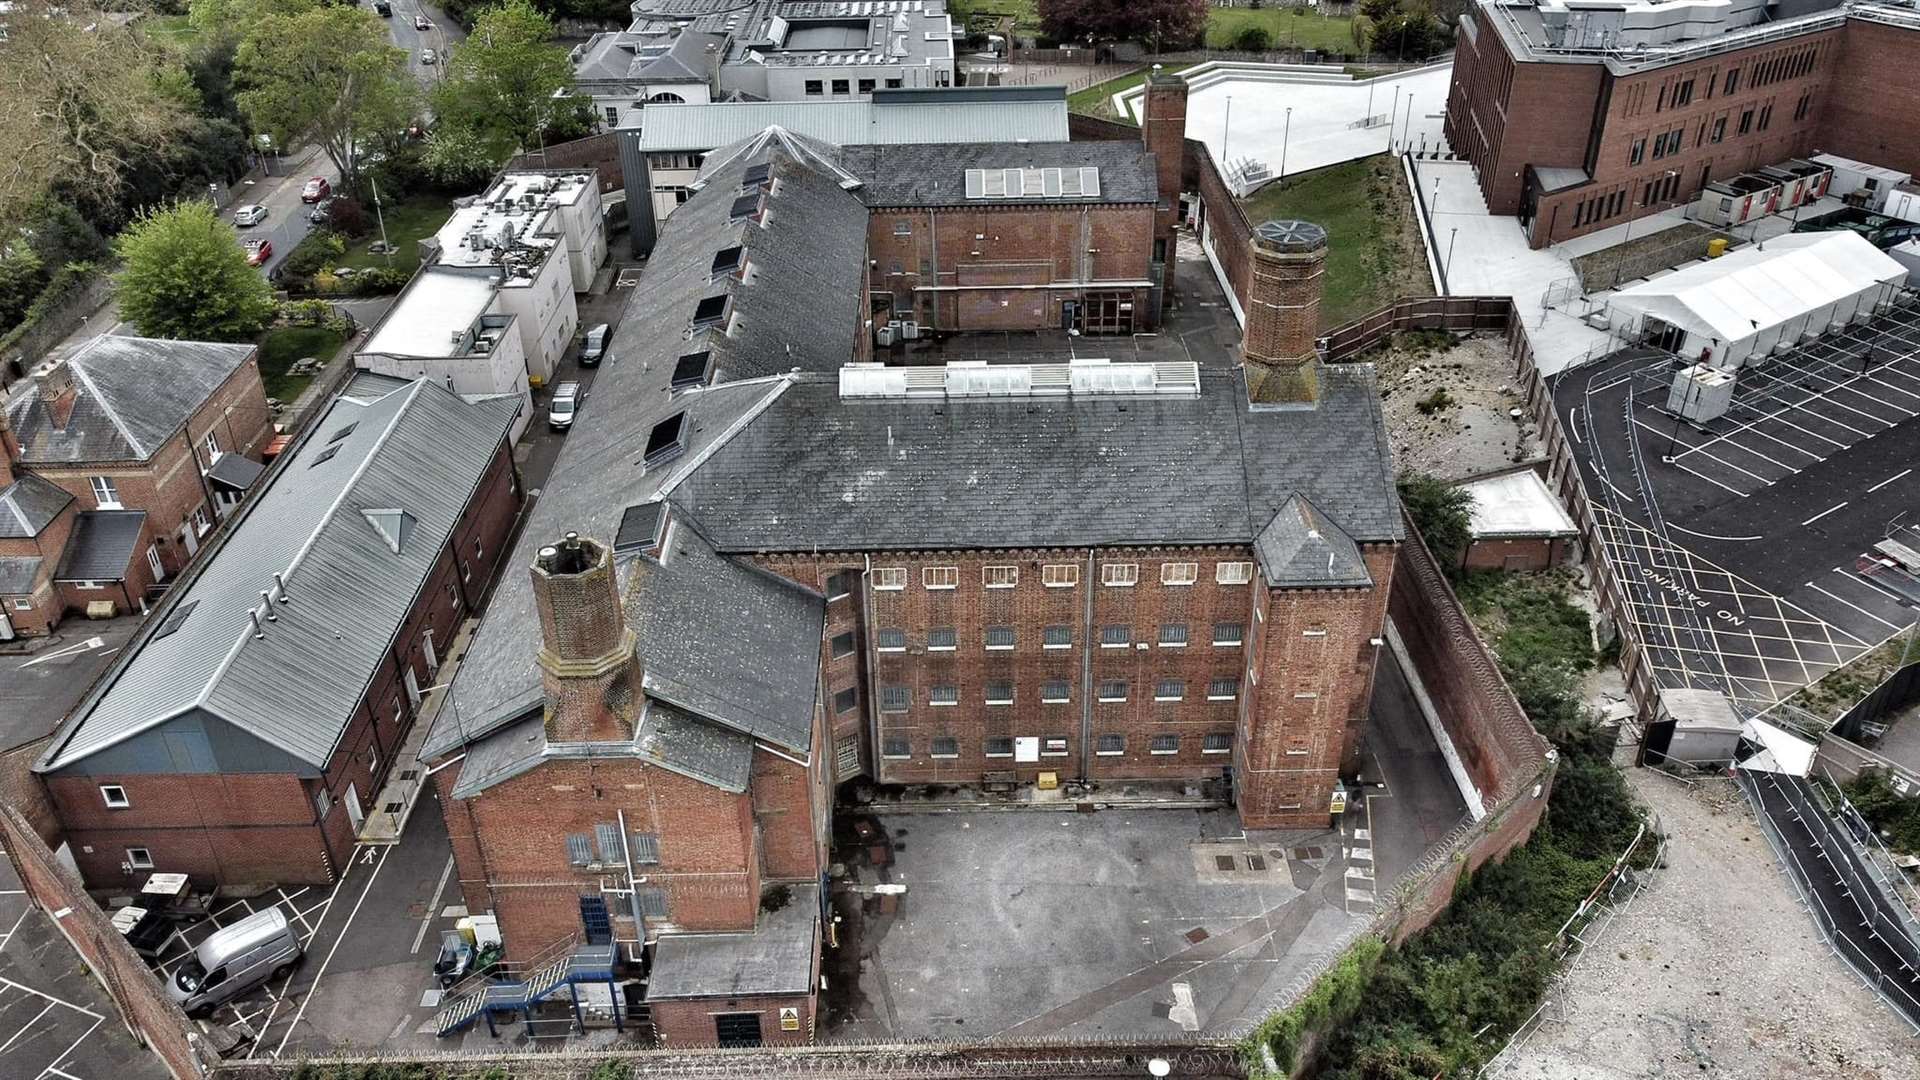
[
  {"x": 185, "y": 276},
  {"x": 458, "y": 156},
  {"x": 327, "y": 76},
  {"x": 1441, "y": 512},
  {"x": 506, "y": 84},
  {"x": 1253, "y": 38}
]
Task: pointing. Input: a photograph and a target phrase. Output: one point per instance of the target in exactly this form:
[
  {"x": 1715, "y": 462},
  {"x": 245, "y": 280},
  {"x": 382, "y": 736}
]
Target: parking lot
[{"x": 1738, "y": 542}]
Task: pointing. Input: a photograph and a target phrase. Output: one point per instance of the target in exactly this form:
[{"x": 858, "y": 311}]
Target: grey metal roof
[
  {"x": 18, "y": 574},
  {"x": 934, "y": 174},
  {"x": 1303, "y": 547},
  {"x": 965, "y": 119},
  {"x": 101, "y": 545},
  {"x": 132, "y": 395},
  {"x": 236, "y": 471},
  {"x": 422, "y": 448},
  {"x": 621, "y": 56},
  {"x": 691, "y": 746},
  {"x": 777, "y": 958},
  {"x": 30, "y": 504}
]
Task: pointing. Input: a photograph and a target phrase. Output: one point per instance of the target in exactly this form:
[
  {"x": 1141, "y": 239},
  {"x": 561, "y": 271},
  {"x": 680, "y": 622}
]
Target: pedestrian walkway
[{"x": 395, "y": 802}]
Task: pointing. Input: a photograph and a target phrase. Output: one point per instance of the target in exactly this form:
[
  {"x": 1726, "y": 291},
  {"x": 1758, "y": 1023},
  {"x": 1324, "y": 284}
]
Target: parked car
[
  {"x": 322, "y": 211},
  {"x": 233, "y": 960},
  {"x": 427, "y": 56},
  {"x": 382, "y": 8},
  {"x": 420, "y": 22},
  {"x": 595, "y": 346},
  {"x": 250, "y": 214},
  {"x": 567, "y": 399},
  {"x": 317, "y": 188},
  {"x": 259, "y": 251}
]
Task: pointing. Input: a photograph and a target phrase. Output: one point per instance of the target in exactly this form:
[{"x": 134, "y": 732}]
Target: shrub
[
  {"x": 348, "y": 217},
  {"x": 325, "y": 284},
  {"x": 1442, "y": 514},
  {"x": 379, "y": 281},
  {"x": 317, "y": 252},
  {"x": 1435, "y": 402},
  {"x": 1253, "y": 39}
]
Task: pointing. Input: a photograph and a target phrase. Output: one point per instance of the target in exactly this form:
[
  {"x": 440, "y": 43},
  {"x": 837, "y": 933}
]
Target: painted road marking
[
  {"x": 1823, "y": 513},
  {"x": 1888, "y": 480},
  {"x": 71, "y": 650}
]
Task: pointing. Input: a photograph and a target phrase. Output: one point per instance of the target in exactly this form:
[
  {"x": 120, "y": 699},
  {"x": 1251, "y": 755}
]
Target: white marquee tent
[{"x": 1746, "y": 306}]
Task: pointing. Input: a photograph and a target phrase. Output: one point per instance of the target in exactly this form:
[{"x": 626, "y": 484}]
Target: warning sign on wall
[{"x": 789, "y": 1019}]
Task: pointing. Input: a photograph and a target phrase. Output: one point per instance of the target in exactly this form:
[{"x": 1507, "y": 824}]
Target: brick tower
[
  {"x": 586, "y": 654},
  {"x": 1283, "y": 309},
  {"x": 1163, "y": 127}
]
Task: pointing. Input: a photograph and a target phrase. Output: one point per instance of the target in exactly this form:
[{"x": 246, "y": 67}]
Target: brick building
[
  {"x": 826, "y": 569},
  {"x": 1578, "y": 119},
  {"x": 117, "y": 462},
  {"x": 239, "y": 735}
]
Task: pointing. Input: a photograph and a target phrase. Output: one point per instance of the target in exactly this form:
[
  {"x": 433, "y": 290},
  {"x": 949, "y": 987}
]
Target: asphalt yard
[
  {"x": 262, "y": 1016},
  {"x": 1744, "y": 543}
]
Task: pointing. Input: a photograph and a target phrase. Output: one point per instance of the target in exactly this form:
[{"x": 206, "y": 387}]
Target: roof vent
[
  {"x": 728, "y": 261},
  {"x": 756, "y": 177},
  {"x": 692, "y": 369},
  {"x": 324, "y": 456},
  {"x": 394, "y": 525},
  {"x": 641, "y": 528},
  {"x": 666, "y": 441},
  {"x": 744, "y": 207},
  {"x": 174, "y": 619},
  {"x": 712, "y": 310}
]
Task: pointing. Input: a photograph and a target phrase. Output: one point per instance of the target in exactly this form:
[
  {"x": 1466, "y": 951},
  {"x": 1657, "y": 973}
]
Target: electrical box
[
  {"x": 1047, "y": 781},
  {"x": 1701, "y": 393}
]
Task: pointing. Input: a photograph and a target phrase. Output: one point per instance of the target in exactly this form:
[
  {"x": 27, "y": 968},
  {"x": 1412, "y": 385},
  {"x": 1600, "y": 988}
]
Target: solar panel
[
  {"x": 692, "y": 369},
  {"x": 666, "y": 441},
  {"x": 343, "y": 432}
]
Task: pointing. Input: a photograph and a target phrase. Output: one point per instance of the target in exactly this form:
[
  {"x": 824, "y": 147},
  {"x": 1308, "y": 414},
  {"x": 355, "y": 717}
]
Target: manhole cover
[{"x": 1197, "y": 935}]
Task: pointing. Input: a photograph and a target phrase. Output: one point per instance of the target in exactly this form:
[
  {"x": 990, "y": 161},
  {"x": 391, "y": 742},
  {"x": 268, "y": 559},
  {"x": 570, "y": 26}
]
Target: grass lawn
[
  {"x": 408, "y": 222},
  {"x": 971, "y": 11},
  {"x": 1285, "y": 29},
  {"x": 1374, "y": 252},
  {"x": 281, "y": 346},
  {"x": 1095, "y": 100}
]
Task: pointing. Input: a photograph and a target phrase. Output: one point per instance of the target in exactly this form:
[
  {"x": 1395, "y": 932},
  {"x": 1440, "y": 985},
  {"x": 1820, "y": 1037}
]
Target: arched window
[{"x": 664, "y": 98}]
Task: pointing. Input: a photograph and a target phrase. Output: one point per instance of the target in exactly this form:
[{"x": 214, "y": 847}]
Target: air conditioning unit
[
  {"x": 884, "y": 337},
  {"x": 910, "y": 330}
]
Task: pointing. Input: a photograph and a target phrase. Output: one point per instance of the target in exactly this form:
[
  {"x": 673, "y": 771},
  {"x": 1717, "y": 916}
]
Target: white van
[{"x": 234, "y": 960}]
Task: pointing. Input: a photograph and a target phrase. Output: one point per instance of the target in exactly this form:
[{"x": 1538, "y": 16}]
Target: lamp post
[
  {"x": 1286, "y": 133},
  {"x": 1226, "y": 126},
  {"x": 1393, "y": 116},
  {"x": 1446, "y": 269}
]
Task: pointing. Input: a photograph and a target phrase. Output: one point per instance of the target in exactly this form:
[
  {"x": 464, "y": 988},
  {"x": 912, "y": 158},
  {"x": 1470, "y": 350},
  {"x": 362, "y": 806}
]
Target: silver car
[
  {"x": 235, "y": 959},
  {"x": 250, "y": 214},
  {"x": 567, "y": 399}
]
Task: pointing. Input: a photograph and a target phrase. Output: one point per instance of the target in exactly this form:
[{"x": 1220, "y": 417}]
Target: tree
[
  {"x": 1402, "y": 28},
  {"x": 185, "y": 276},
  {"x": 506, "y": 85},
  {"x": 1160, "y": 23},
  {"x": 458, "y": 156},
  {"x": 1442, "y": 514},
  {"x": 80, "y": 96},
  {"x": 1253, "y": 38},
  {"x": 328, "y": 76}
]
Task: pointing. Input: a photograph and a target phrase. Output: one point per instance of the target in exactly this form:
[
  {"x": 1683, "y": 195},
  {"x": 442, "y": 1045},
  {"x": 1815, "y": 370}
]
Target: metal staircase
[{"x": 585, "y": 963}]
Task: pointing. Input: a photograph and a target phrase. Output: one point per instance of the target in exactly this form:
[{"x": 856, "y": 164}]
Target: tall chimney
[
  {"x": 9, "y": 447},
  {"x": 1163, "y": 127},
  {"x": 57, "y": 390},
  {"x": 1283, "y": 309},
  {"x": 586, "y": 656}
]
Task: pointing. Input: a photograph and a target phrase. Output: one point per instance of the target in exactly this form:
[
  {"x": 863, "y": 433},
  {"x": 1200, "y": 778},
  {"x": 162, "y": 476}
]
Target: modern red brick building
[
  {"x": 1582, "y": 118},
  {"x": 239, "y": 736},
  {"x": 765, "y": 571},
  {"x": 118, "y": 462}
]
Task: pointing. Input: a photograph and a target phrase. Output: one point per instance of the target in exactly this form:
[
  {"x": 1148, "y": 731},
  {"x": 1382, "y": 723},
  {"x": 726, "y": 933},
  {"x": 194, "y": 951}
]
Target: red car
[
  {"x": 259, "y": 251},
  {"x": 316, "y": 189}
]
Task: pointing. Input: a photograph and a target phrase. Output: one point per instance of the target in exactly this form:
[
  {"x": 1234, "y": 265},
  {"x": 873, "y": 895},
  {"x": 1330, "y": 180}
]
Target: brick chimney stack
[
  {"x": 9, "y": 447},
  {"x": 586, "y": 655},
  {"x": 58, "y": 391},
  {"x": 1283, "y": 309},
  {"x": 1163, "y": 127}
]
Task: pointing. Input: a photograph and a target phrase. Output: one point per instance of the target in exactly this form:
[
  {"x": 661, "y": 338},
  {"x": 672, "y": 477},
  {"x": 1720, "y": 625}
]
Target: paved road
[
  {"x": 442, "y": 33},
  {"x": 37, "y": 689},
  {"x": 286, "y": 224}
]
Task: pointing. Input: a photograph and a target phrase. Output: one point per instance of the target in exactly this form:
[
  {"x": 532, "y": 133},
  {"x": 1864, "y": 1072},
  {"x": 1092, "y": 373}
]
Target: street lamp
[
  {"x": 1286, "y": 133},
  {"x": 1446, "y": 269},
  {"x": 1226, "y": 126}
]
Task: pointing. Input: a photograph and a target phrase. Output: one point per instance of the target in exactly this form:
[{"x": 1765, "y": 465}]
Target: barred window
[
  {"x": 1000, "y": 692},
  {"x": 896, "y": 746},
  {"x": 1217, "y": 742},
  {"x": 1164, "y": 744},
  {"x": 999, "y": 746},
  {"x": 1060, "y": 575},
  {"x": 650, "y": 902},
  {"x": 1229, "y": 633},
  {"x": 1113, "y": 690},
  {"x": 1119, "y": 573},
  {"x": 940, "y": 577},
  {"x": 895, "y": 699},
  {"x": 1109, "y": 745},
  {"x": 1223, "y": 689},
  {"x": 843, "y": 700},
  {"x": 1179, "y": 573},
  {"x": 942, "y": 639},
  {"x": 646, "y": 848},
  {"x": 1000, "y": 577},
  {"x": 1233, "y": 573},
  {"x": 1057, "y": 637},
  {"x": 842, "y": 645},
  {"x": 1169, "y": 690},
  {"x": 1053, "y": 746},
  {"x": 838, "y": 584},
  {"x": 1000, "y": 637},
  {"x": 892, "y": 639},
  {"x": 1173, "y": 635},
  {"x": 606, "y": 839},
  {"x": 579, "y": 849},
  {"x": 1054, "y": 691},
  {"x": 944, "y": 695},
  {"x": 890, "y": 577},
  {"x": 1116, "y": 637},
  {"x": 946, "y": 746}
]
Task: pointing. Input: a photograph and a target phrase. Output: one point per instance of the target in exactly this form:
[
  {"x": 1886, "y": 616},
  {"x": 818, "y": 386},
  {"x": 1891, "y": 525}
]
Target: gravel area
[
  {"x": 1464, "y": 427},
  {"x": 1715, "y": 971}
]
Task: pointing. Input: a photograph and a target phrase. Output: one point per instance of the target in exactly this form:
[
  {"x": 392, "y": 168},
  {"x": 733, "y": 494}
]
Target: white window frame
[
  {"x": 1120, "y": 575},
  {"x": 106, "y": 494},
  {"x": 1060, "y": 575},
  {"x": 1227, "y": 749},
  {"x": 940, "y": 578},
  {"x": 889, "y": 578},
  {"x": 1179, "y": 573},
  {"x": 1047, "y": 742},
  {"x": 1218, "y": 644},
  {"x": 23, "y": 603},
  {"x": 1301, "y": 751},
  {"x": 1159, "y": 684},
  {"x": 932, "y": 753},
  {"x": 120, "y": 803},
  {"x": 211, "y": 440},
  {"x": 1233, "y": 573},
  {"x": 1315, "y": 632},
  {"x": 201, "y": 522},
  {"x": 143, "y": 861},
  {"x": 87, "y": 585},
  {"x": 999, "y": 577}
]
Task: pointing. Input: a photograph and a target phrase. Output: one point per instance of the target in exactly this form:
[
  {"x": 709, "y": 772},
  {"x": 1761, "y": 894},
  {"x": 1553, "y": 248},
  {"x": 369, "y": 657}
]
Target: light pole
[
  {"x": 1393, "y": 116},
  {"x": 1407, "y": 128},
  {"x": 1446, "y": 269},
  {"x": 1226, "y": 126},
  {"x": 1286, "y": 133},
  {"x": 382, "y": 218}
]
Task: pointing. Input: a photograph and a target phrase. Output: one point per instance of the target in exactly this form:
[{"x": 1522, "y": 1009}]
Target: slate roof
[
  {"x": 101, "y": 545},
  {"x": 645, "y": 58},
  {"x": 28, "y": 505},
  {"x": 691, "y": 746},
  {"x": 934, "y": 174},
  {"x": 17, "y": 575},
  {"x": 422, "y": 448},
  {"x": 1303, "y": 547},
  {"x": 236, "y": 471},
  {"x": 132, "y": 395},
  {"x": 777, "y": 958}
]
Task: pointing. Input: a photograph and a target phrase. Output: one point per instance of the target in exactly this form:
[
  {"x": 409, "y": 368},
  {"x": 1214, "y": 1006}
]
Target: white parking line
[
  {"x": 26, "y": 1027},
  {"x": 1888, "y": 480},
  {"x": 433, "y": 905},
  {"x": 1853, "y": 605},
  {"x": 1824, "y": 513},
  {"x": 50, "y": 997},
  {"x": 84, "y": 1036},
  {"x": 337, "y": 939}
]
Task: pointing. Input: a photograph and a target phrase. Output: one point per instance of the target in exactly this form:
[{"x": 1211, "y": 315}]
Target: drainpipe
[
  {"x": 868, "y": 658},
  {"x": 1086, "y": 672}
]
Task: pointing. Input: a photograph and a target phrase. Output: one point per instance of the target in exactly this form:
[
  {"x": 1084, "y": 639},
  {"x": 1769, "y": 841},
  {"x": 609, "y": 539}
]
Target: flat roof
[
  {"x": 968, "y": 116},
  {"x": 1516, "y": 504},
  {"x": 775, "y": 959},
  {"x": 432, "y": 309}
]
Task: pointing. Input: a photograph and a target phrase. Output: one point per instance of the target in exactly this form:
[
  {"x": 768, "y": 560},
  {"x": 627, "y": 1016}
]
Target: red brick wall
[
  {"x": 690, "y": 1023},
  {"x": 1224, "y": 220},
  {"x": 22, "y": 790},
  {"x": 219, "y": 829},
  {"x": 1007, "y": 245},
  {"x": 1535, "y": 553},
  {"x": 47, "y": 607},
  {"x": 786, "y": 798},
  {"x": 1874, "y": 97}
]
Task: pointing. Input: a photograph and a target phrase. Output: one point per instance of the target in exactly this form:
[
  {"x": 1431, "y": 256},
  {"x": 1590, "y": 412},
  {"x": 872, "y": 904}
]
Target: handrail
[{"x": 515, "y": 971}]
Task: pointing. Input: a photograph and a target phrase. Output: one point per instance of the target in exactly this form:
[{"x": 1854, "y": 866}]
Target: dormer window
[
  {"x": 641, "y": 528},
  {"x": 712, "y": 311},
  {"x": 727, "y": 262},
  {"x": 756, "y": 177},
  {"x": 744, "y": 207},
  {"x": 666, "y": 441},
  {"x": 692, "y": 369}
]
